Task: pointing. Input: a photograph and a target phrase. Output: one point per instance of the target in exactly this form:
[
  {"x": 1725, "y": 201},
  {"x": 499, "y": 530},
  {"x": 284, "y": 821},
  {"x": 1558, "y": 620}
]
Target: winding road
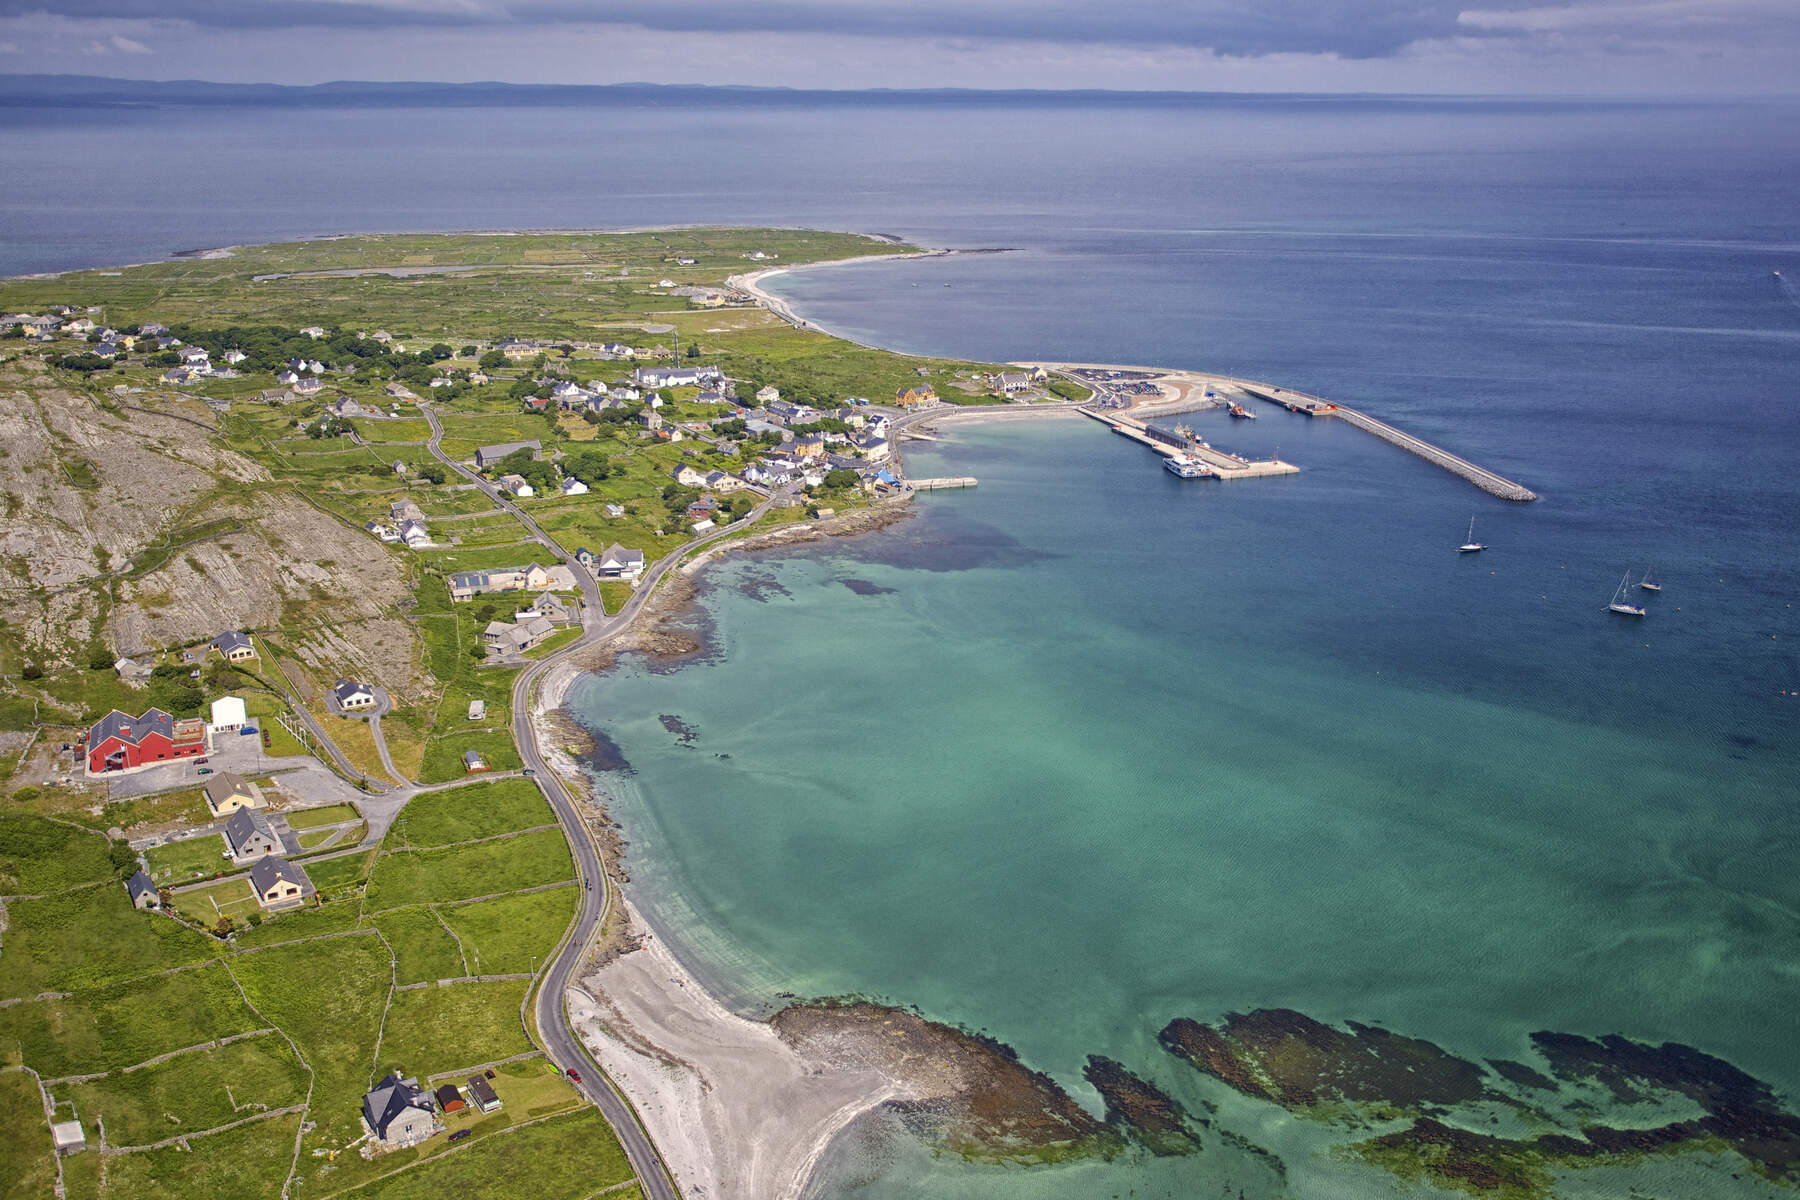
[{"x": 560, "y": 1042}]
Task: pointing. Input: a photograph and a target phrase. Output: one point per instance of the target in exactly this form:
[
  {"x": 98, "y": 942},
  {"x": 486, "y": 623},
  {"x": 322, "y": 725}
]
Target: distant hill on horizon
[{"x": 96, "y": 90}]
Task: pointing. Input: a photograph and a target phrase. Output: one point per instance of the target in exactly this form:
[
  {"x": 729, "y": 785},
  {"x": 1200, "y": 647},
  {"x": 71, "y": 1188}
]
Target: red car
[{"x": 574, "y": 1075}]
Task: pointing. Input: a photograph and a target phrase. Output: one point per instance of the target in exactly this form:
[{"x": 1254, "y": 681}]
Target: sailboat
[
  {"x": 1470, "y": 545},
  {"x": 1649, "y": 584},
  {"x": 1619, "y": 606}
]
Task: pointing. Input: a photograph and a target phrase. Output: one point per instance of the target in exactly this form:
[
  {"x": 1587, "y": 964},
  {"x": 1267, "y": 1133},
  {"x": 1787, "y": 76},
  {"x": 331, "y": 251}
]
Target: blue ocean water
[{"x": 1116, "y": 747}]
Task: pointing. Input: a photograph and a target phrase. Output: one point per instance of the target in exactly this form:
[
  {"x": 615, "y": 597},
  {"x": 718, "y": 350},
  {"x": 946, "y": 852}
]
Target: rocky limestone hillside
[{"x": 127, "y": 523}]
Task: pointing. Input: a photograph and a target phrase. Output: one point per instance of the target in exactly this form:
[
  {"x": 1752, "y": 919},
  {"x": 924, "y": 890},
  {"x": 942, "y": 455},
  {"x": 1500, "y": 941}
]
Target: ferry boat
[
  {"x": 1241, "y": 413},
  {"x": 1470, "y": 545},
  {"x": 1649, "y": 584},
  {"x": 1186, "y": 466},
  {"x": 1618, "y": 604}
]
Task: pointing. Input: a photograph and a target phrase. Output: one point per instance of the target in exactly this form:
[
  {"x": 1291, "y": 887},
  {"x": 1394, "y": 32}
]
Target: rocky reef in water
[
  {"x": 979, "y": 1100},
  {"x": 1660, "y": 1099}
]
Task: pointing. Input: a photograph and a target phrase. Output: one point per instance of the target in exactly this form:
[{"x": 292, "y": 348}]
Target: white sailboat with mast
[
  {"x": 1470, "y": 545},
  {"x": 1619, "y": 604}
]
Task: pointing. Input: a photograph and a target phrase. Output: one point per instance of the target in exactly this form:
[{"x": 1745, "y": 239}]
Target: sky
[{"x": 1627, "y": 47}]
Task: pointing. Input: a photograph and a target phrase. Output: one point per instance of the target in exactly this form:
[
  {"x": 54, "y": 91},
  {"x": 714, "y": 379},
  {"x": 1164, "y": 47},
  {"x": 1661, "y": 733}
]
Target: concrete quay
[
  {"x": 1222, "y": 465},
  {"x": 1314, "y": 406}
]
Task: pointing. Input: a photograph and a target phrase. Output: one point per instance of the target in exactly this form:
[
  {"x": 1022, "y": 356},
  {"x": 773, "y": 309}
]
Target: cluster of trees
[
  {"x": 822, "y": 425},
  {"x": 432, "y": 472},
  {"x": 329, "y": 425},
  {"x": 86, "y": 361},
  {"x": 625, "y": 414},
  {"x": 172, "y": 688},
  {"x": 589, "y": 466},
  {"x": 542, "y": 476}
]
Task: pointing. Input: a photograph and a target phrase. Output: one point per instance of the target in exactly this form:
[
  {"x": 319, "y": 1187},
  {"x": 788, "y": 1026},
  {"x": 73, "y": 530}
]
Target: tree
[
  {"x": 440, "y": 351},
  {"x": 693, "y": 351},
  {"x": 100, "y": 659},
  {"x": 492, "y": 360},
  {"x": 85, "y": 361},
  {"x": 123, "y": 858},
  {"x": 32, "y": 670},
  {"x": 432, "y": 472},
  {"x": 469, "y": 352},
  {"x": 840, "y": 478}
]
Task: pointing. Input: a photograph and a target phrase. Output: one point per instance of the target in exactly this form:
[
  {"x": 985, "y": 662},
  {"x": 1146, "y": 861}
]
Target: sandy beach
[{"x": 735, "y": 1110}]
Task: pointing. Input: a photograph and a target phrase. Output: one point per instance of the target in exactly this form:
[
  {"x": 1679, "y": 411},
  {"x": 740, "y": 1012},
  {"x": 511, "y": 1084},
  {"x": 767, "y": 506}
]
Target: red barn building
[{"x": 120, "y": 741}]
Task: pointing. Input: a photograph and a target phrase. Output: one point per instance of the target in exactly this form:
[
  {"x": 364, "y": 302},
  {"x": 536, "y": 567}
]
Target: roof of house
[
  {"x": 265, "y": 873},
  {"x": 448, "y": 1095},
  {"x": 482, "y": 1090},
  {"x": 139, "y": 884},
  {"x": 226, "y": 784},
  {"x": 616, "y": 553},
  {"x": 389, "y": 1098},
  {"x": 229, "y": 710},
  {"x": 347, "y": 689},
  {"x": 231, "y": 640},
  {"x": 472, "y": 758},
  {"x": 129, "y": 729},
  {"x": 244, "y": 824}
]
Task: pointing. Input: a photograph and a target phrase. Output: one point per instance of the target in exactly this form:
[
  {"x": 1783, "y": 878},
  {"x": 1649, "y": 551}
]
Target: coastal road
[{"x": 561, "y": 1045}]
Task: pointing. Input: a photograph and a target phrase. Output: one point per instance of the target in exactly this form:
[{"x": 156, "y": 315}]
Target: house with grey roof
[
  {"x": 398, "y": 1113},
  {"x": 279, "y": 884},
  {"x": 234, "y": 646},
  {"x": 249, "y": 835},
  {"x": 350, "y": 696},
  {"x": 143, "y": 891},
  {"x": 616, "y": 562},
  {"x": 554, "y": 609},
  {"x": 509, "y": 637}
]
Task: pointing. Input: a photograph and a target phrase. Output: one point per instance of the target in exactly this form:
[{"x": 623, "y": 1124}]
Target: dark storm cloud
[{"x": 1351, "y": 28}]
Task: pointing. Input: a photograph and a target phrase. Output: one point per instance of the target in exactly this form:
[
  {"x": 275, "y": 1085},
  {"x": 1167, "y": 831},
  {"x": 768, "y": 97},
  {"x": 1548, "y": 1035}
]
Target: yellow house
[
  {"x": 227, "y": 791},
  {"x": 916, "y": 397}
]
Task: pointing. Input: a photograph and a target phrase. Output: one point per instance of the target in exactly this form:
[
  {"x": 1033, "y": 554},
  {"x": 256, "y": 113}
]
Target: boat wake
[{"x": 1789, "y": 289}]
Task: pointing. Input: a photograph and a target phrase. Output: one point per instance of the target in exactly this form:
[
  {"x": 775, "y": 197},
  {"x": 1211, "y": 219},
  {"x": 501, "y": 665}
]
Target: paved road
[{"x": 560, "y": 1042}]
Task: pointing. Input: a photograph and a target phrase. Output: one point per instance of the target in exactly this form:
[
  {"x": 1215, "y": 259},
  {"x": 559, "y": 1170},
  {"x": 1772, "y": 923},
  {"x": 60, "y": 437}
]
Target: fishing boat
[
  {"x": 1241, "y": 413},
  {"x": 1186, "y": 466},
  {"x": 1470, "y": 545},
  {"x": 1649, "y": 584},
  {"x": 1618, "y": 604}
]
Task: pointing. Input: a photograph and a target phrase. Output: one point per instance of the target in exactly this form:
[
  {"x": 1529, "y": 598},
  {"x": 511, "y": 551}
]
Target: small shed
[
  {"x": 449, "y": 1099},
  {"x": 477, "y": 709},
  {"x": 228, "y": 715},
  {"x": 68, "y": 1137},
  {"x": 143, "y": 891},
  {"x": 472, "y": 761}
]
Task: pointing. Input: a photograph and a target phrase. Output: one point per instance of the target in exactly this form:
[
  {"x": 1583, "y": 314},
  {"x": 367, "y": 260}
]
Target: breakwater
[{"x": 1314, "y": 406}]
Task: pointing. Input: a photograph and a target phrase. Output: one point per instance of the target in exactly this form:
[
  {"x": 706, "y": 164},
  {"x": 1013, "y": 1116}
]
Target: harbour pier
[
  {"x": 1220, "y": 464},
  {"x": 1314, "y": 406},
  {"x": 948, "y": 481}
]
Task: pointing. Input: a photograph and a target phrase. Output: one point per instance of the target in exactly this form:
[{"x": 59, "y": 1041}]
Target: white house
[
  {"x": 352, "y": 696},
  {"x": 517, "y": 486},
  {"x": 572, "y": 486},
  {"x": 616, "y": 562},
  {"x": 415, "y": 535}
]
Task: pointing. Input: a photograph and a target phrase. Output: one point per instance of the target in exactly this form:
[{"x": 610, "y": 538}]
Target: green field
[
  {"x": 249, "y": 1161},
  {"x": 443, "y": 760},
  {"x": 510, "y": 934},
  {"x": 39, "y": 856},
  {"x": 192, "y": 1092},
  {"x": 434, "y": 1029},
  {"x": 89, "y": 939},
  {"x": 27, "y": 1161},
  {"x": 463, "y": 872},
  {"x": 463, "y": 814},
  {"x": 187, "y": 860},
  {"x": 332, "y": 876},
  {"x": 331, "y": 814},
  {"x": 423, "y": 948},
  {"x": 103, "y": 1029}
]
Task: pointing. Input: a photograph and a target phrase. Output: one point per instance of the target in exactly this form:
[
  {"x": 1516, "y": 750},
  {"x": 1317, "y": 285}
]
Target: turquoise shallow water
[{"x": 1117, "y": 748}]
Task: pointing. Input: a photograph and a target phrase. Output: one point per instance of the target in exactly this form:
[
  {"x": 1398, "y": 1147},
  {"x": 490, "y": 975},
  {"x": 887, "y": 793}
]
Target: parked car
[
  {"x": 205, "y": 771},
  {"x": 574, "y": 1075},
  {"x": 201, "y": 759},
  {"x": 460, "y": 1134}
]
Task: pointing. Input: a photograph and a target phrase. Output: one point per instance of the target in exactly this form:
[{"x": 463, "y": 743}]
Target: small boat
[
  {"x": 1470, "y": 545},
  {"x": 1619, "y": 606},
  {"x": 1186, "y": 466},
  {"x": 1649, "y": 584},
  {"x": 1241, "y": 413}
]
